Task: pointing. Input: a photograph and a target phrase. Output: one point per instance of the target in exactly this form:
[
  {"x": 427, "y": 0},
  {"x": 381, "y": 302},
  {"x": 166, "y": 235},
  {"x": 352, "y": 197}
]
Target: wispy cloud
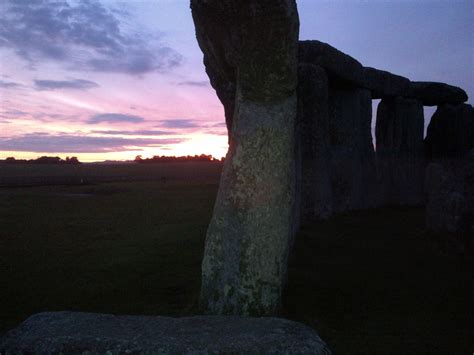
[
  {"x": 179, "y": 123},
  {"x": 114, "y": 118},
  {"x": 66, "y": 143},
  {"x": 14, "y": 113},
  {"x": 83, "y": 35},
  {"x": 8, "y": 84},
  {"x": 134, "y": 133},
  {"x": 76, "y": 84},
  {"x": 194, "y": 83}
]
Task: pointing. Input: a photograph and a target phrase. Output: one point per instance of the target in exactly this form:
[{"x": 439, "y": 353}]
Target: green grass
[{"x": 368, "y": 281}]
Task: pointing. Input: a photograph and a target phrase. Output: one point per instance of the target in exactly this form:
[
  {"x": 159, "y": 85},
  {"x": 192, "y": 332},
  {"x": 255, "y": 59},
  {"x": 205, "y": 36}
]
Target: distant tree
[
  {"x": 138, "y": 159},
  {"x": 72, "y": 161},
  {"x": 10, "y": 160}
]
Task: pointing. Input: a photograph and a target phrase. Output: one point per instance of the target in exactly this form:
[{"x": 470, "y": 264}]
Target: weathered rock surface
[
  {"x": 400, "y": 152},
  {"x": 352, "y": 158},
  {"x": 382, "y": 83},
  {"x": 433, "y": 93},
  {"x": 313, "y": 143},
  {"x": 245, "y": 260},
  {"x": 339, "y": 65},
  {"x": 449, "y": 189},
  {"x": 450, "y": 132},
  {"x": 75, "y": 333}
]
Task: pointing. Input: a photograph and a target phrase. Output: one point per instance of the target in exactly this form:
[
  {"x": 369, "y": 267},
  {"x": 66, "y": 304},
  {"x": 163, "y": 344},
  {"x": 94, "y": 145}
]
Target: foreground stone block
[
  {"x": 400, "y": 152},
  {"x": 74, "y": 332},
  {"x": 244, "y": 267}
]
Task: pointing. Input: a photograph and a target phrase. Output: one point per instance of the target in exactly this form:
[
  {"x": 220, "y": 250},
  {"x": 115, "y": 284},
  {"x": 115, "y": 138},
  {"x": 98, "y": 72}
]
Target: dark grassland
[{"x": 371, "y": 281}]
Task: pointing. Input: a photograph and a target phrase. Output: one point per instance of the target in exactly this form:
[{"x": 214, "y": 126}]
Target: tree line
[
  {"x": 174, "y": 159},
  {"x": 43, "y": 160}
]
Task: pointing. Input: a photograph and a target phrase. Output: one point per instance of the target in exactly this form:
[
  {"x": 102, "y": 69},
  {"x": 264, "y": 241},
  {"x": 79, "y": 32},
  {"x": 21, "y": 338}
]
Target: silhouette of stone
[
  {"x": 400, "y": 153},
  {"x": 382, "y": 83},
  {"x": 93, "y": 333},
  {"x": 245, "y": 260},
  {"x": 450, "y": 133},
  {"x": 449, "y": 189},
  {"x": 340, "y": 66},
  {"x": 313, "y": 143},
  {"x": 352, "y": 155},
  {"x": 220, "y": 45},
  {"x": 449, "y": 184},
  {"x": 433, "y": 93}
]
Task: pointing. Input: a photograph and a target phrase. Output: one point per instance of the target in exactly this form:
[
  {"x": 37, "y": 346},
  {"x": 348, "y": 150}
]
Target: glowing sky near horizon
[{"x": 109, "y": 80}]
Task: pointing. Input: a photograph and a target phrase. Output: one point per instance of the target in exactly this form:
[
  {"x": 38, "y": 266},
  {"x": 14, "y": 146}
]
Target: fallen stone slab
[
  {"x": 76, "y": 332},
  {"x": 383, "y": 83},
  {"x": 339, "y": 65},
  {"x": 433, "y": 93}
]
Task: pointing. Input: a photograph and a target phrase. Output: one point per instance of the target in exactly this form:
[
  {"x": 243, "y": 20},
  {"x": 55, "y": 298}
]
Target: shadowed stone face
[
  {"x": 400, "y": 160},
  {"x": 250, "y": 55},
  {"x": 351, "y": 152}
]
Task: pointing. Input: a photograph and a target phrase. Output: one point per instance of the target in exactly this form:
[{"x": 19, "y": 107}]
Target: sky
[{"x": 110, "y": 80}]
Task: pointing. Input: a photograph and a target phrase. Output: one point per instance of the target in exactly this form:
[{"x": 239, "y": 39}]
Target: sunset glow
[{"x": 109, "y": 80}]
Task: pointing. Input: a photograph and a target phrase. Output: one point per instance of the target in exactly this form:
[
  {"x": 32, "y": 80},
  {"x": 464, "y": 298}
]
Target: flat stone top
[{"x": 75, "y": 332}]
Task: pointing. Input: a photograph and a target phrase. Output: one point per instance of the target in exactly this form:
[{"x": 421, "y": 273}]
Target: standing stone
[
  {"x": 313, "y": 143},
  {"x": 450, "y": 134},
  {"x": 245, "y": 259},
  {"x": 400, "y": 162},
  {"x": 352, "y": 153},
  {"x": 449, "y": 186},
  {"x": 450, "y": 196}
]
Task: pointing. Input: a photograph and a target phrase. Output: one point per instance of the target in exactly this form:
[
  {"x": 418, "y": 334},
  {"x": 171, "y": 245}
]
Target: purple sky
[{"x": 114, "y": 79}]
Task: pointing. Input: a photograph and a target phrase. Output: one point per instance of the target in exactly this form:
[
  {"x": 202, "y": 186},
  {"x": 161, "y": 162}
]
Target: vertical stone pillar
[
  {"x": 352, "y": 153},
  {"x": 449, "y": 181},
  {"x": 245, "y": 259},
  {"x": 400, "y": 156},
  {"x": 315, "y": 193}
]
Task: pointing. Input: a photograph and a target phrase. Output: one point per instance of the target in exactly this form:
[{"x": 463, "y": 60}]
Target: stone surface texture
[
  {"x": 92, "y": 333},
  {"x": 400, "y": 152},
  {"x": 433, "y": 93},
  {"x": 244, "y": 267}
]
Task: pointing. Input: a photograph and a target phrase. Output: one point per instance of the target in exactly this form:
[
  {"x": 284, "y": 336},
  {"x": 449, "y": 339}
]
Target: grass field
[{"x": 370, "y": 281}]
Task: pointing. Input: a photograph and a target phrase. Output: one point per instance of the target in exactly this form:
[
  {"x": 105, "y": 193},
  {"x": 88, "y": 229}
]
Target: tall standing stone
[
  {"x": 352, "y": 152},
  {"x": 400, "y": 157},
  {"x": 245, "y": 259},
  {"x": 449, "y": 184},
  {"x": 315, "y": 191}
]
